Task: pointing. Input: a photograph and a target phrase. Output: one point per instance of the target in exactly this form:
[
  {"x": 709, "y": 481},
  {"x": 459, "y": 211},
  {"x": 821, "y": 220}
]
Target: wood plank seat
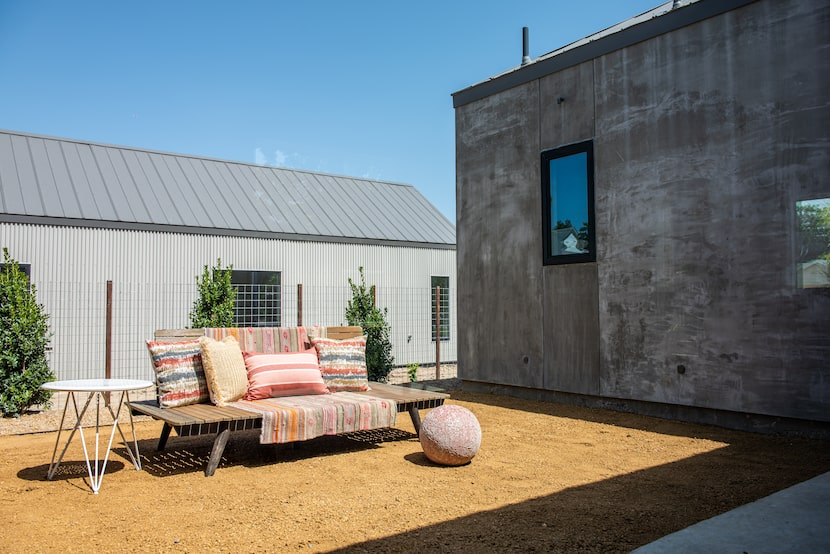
[{"x": 209, "y": 419}]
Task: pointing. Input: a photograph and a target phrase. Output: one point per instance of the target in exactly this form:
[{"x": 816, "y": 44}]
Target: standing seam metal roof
[{"x": 50, "y": 180}]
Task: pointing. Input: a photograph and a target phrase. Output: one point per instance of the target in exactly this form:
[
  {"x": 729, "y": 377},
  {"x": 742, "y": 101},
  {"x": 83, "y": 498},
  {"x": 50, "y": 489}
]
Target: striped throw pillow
[
  {"x": 180, "y": 378},
  {"x": 343, "y": 363},
  {"x": 283, "y": 374}
]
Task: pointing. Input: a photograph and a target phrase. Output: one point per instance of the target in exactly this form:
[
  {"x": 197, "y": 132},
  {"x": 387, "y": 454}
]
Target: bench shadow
[{"x": 191, "y": 454}]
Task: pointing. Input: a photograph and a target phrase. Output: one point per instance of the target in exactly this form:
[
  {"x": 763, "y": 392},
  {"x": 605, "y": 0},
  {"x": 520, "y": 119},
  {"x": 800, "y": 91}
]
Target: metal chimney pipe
[{"x": 525, "y": 46}]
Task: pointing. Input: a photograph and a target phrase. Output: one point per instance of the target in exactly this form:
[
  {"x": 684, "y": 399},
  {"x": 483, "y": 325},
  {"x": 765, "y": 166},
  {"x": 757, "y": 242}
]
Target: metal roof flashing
[{"x": 662, "y": 19}]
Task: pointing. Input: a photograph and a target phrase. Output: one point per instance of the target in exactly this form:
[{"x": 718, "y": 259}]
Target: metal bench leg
[
  {"x": 218, "y": 447},
  {"x": 416, "y": 419},
  {"x": 165, "y": 434}
]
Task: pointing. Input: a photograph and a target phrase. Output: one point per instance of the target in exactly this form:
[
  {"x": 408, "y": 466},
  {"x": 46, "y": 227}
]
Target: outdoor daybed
[{"x": 294, "y": 384}]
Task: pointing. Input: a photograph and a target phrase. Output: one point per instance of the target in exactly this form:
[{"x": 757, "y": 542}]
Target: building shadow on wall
[{"x": 664, "y": 419}]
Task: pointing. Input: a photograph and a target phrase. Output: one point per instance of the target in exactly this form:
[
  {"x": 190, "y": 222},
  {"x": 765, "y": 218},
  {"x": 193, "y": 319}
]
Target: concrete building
[
  {"x": 679, "y": 145},
  {"x": 79, "y": 214}
]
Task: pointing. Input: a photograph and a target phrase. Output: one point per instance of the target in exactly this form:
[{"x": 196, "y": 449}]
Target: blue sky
[{"x": 350, "y": 88}]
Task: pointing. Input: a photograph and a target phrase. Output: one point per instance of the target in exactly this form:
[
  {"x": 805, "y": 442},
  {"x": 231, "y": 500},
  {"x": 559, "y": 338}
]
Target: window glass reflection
[
  {"x": 569, "y": 204},
  {"x": 813, "y": 243}
]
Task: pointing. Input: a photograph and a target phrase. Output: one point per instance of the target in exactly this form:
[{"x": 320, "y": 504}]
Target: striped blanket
[{"x": 299, "y": 418}]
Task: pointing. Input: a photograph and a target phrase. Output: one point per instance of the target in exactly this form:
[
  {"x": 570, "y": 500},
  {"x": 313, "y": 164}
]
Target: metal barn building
[
  {"x": 76, "y": 215},
  {"x": 678, "y": 151}
]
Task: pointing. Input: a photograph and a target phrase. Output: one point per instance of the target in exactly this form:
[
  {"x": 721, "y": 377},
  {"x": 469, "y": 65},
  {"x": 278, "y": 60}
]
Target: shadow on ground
[
  {"x": 656, "y": 502},
  {"x": 191, "y": 454}
]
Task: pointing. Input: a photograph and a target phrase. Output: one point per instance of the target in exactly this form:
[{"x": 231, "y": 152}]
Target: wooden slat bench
[{"x": 208, "y": 419}]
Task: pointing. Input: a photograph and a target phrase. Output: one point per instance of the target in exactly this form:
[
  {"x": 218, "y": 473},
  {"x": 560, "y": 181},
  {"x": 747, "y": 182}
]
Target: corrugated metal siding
[
  {"x": 59, "y": 178},
  {"x": 154, "y": 275}
]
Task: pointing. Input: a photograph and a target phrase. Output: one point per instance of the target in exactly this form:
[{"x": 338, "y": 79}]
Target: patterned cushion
[
  {"x": 343, "y": 363},
  {"x": 225, "y": 370},
  {"x": 179, "y": 375},
  {"x": 283, "y": 374}
]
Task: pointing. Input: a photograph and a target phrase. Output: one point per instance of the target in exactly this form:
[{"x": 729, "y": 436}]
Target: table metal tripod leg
[
  {"x": 136, "y": 458},
  {"x": 53, "y": 467}
]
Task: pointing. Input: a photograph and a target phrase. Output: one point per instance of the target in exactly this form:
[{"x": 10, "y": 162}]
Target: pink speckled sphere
[{"x": 450, "y": 435}]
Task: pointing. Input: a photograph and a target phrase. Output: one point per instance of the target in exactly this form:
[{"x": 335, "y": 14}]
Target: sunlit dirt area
[{"x": 547, "y": 478}]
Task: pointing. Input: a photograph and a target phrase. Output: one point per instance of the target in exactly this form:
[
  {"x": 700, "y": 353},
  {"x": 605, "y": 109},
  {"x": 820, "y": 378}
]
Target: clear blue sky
[{"x": 351, "y": 88}]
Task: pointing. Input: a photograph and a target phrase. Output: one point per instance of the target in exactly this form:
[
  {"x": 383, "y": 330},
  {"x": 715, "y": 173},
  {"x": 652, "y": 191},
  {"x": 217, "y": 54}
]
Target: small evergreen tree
[
  {"x": 361, "y": 310},
  {"x": 217, "y": 297},
  {"x": 24, "y": 334}
]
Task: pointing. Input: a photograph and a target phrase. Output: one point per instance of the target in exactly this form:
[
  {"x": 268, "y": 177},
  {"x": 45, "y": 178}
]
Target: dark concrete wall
[
  {"x": 704, "y": 140},
  {"x": 500, "y": 289}
]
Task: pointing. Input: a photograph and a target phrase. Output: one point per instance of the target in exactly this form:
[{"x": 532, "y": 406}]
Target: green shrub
[
  {"x": 24, "y": 334},
  {"x": 217, "y": 296},
  {"x": 412, "y": 371},
  {"x": 361, "y": 310}
]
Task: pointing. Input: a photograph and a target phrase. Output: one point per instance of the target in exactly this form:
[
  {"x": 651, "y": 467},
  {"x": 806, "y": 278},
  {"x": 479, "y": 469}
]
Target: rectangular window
[
  {"x": 24, "y": 268},
  {"x": 813, "y": 243},
  {"x": 258, "y": 298},
  {"x": 568, "y": 204},
  {"x": 444, "y": 283}
]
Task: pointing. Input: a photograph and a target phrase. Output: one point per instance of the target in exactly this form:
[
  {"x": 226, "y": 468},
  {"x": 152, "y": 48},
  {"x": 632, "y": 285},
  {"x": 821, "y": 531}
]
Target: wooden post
[
  {"x": 108, "y": 360},
  {"x": 437, "y": 331},
  {"x": 299, "y": 305}
]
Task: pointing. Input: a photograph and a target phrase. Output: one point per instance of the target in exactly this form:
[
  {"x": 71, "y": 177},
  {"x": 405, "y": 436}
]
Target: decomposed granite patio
[{"x": 547, "y": 478}]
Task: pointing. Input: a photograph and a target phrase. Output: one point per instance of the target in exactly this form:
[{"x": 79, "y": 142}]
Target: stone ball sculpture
[{"x": 450, "y": 435}]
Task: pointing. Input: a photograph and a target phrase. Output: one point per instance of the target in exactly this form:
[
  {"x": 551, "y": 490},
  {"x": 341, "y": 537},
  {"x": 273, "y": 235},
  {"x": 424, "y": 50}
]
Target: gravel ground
[{"x": 547, "y": 478}]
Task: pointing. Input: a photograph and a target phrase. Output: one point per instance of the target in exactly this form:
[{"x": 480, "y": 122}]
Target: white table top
[{"x": 97, "y": 385}]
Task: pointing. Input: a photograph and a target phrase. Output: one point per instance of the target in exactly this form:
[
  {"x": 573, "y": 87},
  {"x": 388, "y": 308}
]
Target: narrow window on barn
[
  {"x": 568, "y": 204},
  {"x": 444, "y": 283},
  {"x": 258, "y": 298}
]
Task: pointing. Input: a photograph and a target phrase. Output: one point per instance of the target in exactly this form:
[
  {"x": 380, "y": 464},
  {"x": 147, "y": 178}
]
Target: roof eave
[
  {"x": 670, "y": 21},
  {"x": 210, "y": 231}
]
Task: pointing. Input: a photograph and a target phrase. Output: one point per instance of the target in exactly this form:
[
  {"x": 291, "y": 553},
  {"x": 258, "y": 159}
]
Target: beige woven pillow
[{"x": 225, "y": 371}]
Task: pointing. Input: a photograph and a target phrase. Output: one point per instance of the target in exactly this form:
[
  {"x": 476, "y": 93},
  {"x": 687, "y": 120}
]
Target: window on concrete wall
[
  {"x": 258, "y": 298},
  {"x": 813, "y": 243},
  {"x": 568, "y": 204},
  {"x": 444, "y": 283}
]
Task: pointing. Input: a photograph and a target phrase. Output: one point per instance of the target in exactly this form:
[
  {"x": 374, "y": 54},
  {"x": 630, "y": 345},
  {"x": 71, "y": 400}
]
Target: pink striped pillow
[{"x": 283, "y": 374}]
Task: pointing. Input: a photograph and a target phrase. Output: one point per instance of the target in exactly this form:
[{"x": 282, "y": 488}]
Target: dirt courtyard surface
[{"x": 548, "y": 478}]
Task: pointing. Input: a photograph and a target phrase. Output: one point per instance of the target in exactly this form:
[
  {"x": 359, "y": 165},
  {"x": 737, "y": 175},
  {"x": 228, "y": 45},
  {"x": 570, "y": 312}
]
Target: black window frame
[
  {"x": 445, "y": 306},
  {"x": 547, "y": 156}
]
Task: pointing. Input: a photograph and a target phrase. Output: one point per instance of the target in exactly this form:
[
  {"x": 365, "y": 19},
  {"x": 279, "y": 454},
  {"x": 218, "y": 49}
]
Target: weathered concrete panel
[
  {"x": 567, "y": 106},
  {"x": 500, "y": 254},
  {"x": 706, "y": 138},
  {"x": 570, "y": 306},
  {"x": 570, "y": 300}
]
